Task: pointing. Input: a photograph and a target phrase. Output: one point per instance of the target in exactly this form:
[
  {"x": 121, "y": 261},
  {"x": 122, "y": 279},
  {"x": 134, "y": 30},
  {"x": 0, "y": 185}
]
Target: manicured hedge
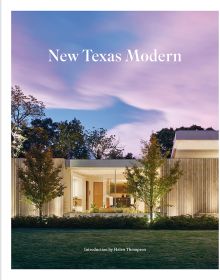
[
  {"x": 185, "y": 222},
  {"x": 118, "y": 222},
  {"x": 95, "y": 222}
]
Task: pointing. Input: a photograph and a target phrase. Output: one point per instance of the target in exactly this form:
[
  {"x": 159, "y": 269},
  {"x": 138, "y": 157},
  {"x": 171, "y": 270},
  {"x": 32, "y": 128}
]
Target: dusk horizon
[{"x": 129, "y": 99}]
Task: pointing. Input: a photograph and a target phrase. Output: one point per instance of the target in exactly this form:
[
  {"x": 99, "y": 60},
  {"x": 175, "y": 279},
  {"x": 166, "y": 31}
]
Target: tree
[
  {"x": 71, "y": 140},
  {"x": 192, "y": 127},
  {"x": 129, "y": 156},
  {"x": 17, "y": 140},
  {"x": 23, "y": 109},
  {"x": 165, "y": 139},
  {"x": 65, "y": 139},
  {"x": 209, "y": 128},
  {"x": 102, "y": 146},
  {"x": 40, "y": 180},
  {"x": 42, "y": 132},
  {"x": 145, "y": 182}
]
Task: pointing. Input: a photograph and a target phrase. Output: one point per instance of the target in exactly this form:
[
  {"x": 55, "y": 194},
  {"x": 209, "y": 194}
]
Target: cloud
[
  {"x": 192, "y": 85},
  {"x": 130, "y": 135},
  {"x": 108, "y": 117},
  {"x": 185, "y": 93}
]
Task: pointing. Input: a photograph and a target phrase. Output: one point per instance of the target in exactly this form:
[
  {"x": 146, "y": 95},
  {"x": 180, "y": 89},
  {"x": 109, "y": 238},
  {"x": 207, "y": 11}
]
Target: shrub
[
  {"x": 93, "y": 222},
  {"x": 94, "y": 208},
  {"x": 185, "y": 222},
  {"x": 27, "y": 221},
  {"x": 118, "y": 222},
  {"x": 110, "y": 210}
]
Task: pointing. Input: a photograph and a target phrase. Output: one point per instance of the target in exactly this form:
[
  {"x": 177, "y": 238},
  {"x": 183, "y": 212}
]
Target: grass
[{"x": 64, "y": 249}]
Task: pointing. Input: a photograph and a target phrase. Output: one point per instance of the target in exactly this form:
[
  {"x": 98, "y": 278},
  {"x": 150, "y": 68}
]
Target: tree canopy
[
  {"x": 69, "y": 139},
  {"x": 23, "y": 110},
  {"x": 42, "y": 132},
  {"x": 103, "y": 146},
  {"x": 71, "y": 142},
  {"x": 145, "y": 182},
  {"x": 40, "y": 180}
]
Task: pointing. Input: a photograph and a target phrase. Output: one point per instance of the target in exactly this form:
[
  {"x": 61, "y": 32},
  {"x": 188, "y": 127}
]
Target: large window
[
  {"x": 77, "y": 194},
  {"x": 77, "y": 187},
  {"x": 118, "y": 190},
  {"x": 118, "y": 187}
]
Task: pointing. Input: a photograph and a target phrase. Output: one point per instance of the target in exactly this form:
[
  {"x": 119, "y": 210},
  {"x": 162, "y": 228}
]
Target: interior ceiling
[{"x": 99, "y": 171}]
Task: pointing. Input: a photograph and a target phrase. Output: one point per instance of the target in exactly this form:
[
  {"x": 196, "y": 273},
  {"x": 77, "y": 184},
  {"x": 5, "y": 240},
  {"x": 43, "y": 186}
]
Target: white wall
[{"x": 196, "y": 154}]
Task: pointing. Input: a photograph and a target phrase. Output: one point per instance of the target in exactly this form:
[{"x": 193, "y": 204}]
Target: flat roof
[
  {"x": 197, "y": 135},
  {"x": 101, "y": 163}
]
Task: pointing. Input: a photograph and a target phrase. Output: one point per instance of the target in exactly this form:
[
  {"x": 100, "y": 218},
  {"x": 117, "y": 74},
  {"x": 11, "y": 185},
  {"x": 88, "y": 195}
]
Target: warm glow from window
[{"x": 77, "y": 187}]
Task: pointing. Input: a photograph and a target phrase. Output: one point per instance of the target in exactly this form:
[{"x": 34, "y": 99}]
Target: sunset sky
[{"x": 130, "y": 100}]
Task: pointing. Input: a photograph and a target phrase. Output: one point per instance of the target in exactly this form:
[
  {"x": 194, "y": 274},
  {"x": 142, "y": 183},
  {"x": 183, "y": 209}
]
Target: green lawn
[{"x": 50, "y": 248}]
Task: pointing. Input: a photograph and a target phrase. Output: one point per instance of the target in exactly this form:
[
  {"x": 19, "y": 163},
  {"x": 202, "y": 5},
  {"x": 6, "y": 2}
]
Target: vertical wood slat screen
[
  {"x": 19, "y": 204},
  {"x": 196, "y": 192}
]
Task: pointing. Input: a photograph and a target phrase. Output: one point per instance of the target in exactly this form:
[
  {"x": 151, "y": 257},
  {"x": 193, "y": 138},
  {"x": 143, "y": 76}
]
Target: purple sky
[{"x": 131, "y": 100}]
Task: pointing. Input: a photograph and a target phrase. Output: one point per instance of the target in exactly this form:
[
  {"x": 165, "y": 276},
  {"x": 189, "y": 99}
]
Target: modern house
[
  {"x": 101, "y": 183},
  {"x": 195, "y": 144},
  {"x": 196, "y": 192}
]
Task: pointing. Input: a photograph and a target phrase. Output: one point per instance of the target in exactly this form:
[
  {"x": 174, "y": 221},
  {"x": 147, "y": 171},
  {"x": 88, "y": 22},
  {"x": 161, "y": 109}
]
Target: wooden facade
[{"x": 196, "y": 192}]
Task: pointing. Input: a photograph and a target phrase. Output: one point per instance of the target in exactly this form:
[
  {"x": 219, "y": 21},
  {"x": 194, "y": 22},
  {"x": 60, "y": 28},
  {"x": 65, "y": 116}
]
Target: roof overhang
[
  {"x": 196, "y": 145},
  {"x": 101, "y": 163}
]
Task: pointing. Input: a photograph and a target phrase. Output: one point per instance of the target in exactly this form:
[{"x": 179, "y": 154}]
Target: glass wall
[
  {"x": 118, "y": 190},
  {"x": 77, "y": 194}
]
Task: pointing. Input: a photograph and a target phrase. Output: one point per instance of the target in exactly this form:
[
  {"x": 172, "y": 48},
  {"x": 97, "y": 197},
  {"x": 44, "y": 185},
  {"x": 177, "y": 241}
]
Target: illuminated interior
[{"x": 111, "y": 192}]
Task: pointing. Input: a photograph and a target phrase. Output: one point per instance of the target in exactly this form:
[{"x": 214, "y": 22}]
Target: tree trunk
[
  {"x": 135, "y": 204},
  {"x": 151, "y": 214},
  {"x": 40, "y": 211}
]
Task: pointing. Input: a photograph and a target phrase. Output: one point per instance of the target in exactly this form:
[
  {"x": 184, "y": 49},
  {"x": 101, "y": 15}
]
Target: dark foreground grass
[{"x": 64, "y": 249}]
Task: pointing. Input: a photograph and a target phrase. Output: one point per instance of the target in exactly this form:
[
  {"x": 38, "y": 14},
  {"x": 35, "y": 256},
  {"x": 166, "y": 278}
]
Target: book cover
[{"x": 114, "y": 139}]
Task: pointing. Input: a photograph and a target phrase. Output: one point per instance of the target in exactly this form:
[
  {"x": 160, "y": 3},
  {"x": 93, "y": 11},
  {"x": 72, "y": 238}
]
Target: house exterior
[
  {"x": 196, "y": 144},
  {"x": 196, "y": 192},
  {"x": 88, "y": 183},
  {"x": 102, "y": 184}
]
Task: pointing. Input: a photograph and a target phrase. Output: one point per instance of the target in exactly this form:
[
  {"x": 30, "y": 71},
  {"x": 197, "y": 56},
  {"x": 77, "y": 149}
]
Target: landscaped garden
[
  {"x": 116, "y": 236},
  {"x": 64, "y": 248}
]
